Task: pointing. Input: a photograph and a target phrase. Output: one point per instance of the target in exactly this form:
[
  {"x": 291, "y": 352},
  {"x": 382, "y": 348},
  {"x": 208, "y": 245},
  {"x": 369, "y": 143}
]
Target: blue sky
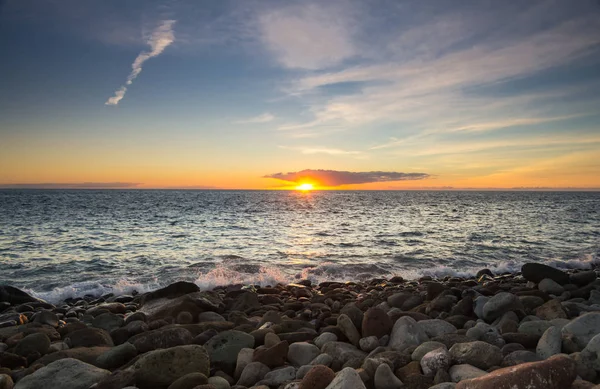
[{"x": 223, "y": 93}]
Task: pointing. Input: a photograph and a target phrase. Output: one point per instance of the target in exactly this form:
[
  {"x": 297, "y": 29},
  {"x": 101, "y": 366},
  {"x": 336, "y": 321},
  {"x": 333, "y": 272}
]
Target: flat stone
[
  {"x": 436, "y": 327},
  {"x": 550, "y": 343},
  {"x": 347, "y": 378},
  {"x": 64, "y": 374},
  {"x": 478, "y": 354},
  {"x": 583, "y": 328},
  {"x": 557, "y": 372},
  {"x": 536, "y": 272},
  {"x": 406, "y": 332}
]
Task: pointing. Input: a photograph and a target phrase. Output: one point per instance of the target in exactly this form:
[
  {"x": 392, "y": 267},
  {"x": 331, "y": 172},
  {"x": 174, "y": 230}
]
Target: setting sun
[{"x": 305, "y": 187}]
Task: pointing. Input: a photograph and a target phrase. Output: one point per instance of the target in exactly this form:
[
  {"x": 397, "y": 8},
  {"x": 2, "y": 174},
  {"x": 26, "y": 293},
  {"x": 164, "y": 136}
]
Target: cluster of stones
[{"x": 539, "y": 329}]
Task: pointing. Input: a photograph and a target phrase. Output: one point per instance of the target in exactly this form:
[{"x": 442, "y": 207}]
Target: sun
[{"x": 305, "y": 187}]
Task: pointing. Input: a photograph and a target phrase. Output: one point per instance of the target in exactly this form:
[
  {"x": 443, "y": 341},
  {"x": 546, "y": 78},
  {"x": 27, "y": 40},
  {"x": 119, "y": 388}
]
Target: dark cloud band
[{"x": 337, "y": 178}]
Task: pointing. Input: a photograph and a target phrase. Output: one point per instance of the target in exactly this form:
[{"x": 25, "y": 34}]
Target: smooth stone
[
  {"x": 464, "y": 372},
  {"x": 348, "y": 328},
  {"x": 244, "y": 357},
  {"x": 318, "y": 377},
  {"x": 324, "y": 338},
  {"x": 302, "y": 353},
  {"x": 583, "y": 328},
  {"x": 117, "y": 356},
  {"x": 188, "y": 381},
  {"x": 342, "y": 352},
  {"x": 444, "y": 385},
  {"x": 406, "y": 332},
  {"x": 499, "y": 304},
  {"x": 322, "y": 359},
  {"x": 527, "y": 340},
  {"x": 557, "y": 372},
  {"x": 536, "y": 272},
  {"x": 376, "y": 323},
  {"x": 108, "y": 321},
  {"x": 88, "y": 337},
  {"x": 583, "y": 278},
  {"x": 369, "y": 344},
  {"x": 224, "y": 347},
  {"x": 163, "y": 367},
  {"x": 161, "y": 338},
  {"x": 479, "y": 303},
  {"x": 46, "y": 317},
  {"x": 550, "y": 343},
  {"x": 279, "y": 376},
  {"x": 550, "y": 310},
  {"x": 271, "y": 339},
  {"x": 520, "y": 356},
  {"x": 273, "y": 356},
  {"x": 425, "y": 348},
  {"x": 534, "y": 327},
  {"x": 219, "y": 382},
  {"x": 385, "y": 378},
  {"x": 347, "y": 378},
  {"x": 210, "y": 316},
  {"x": 6, "y": 382},
  {"x": 436, "y": 327},
  {"x": 550, "y": 286},
  {"x": 591, "y": 352},
  {"x": 37, "y": 342},
  {"x": 435, "y": 360},
  {"x": 252, "y": 373},
  {"x": 477, "y": 353},
  {"x": 66, "y": 373},
  {"x": 184, "y": 317}
]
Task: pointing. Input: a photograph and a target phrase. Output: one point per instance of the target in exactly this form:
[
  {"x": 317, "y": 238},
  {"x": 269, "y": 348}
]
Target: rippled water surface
[{"x": 75, "y": 241}]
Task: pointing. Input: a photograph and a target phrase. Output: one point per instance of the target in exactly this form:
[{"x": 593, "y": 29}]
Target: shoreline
[{"x": 444, "y": 333}]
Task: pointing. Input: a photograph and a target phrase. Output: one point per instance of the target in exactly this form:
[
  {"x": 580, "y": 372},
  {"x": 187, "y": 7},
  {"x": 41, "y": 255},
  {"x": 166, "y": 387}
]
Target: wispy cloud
[
  {"x": 160, "y": 39},
  {"x": 78, "y": 185},
  {"x": 338, "y": 178},
  {"x": 326, "y": 150},
  {"x": 263, "y": 118}
]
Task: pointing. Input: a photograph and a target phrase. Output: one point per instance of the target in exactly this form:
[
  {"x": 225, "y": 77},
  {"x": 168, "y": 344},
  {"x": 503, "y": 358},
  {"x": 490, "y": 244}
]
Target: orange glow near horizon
[{"x": 305, "y": 187}]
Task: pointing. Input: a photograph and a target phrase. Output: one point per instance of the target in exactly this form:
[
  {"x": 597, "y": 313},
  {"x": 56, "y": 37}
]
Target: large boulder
[
  {"x": 479, "y": 354},
  {"x": 194, "y": 303},
  {"x": 376, "y": 323},
  {"x": 88, "y": 337},
  {"x": 557, "y": 372},
  {"x": 64, "y": 374},
  {"x": 160, "y": 368},
  {"x": 499, "y": 304},
  {"x": 583, "y": 328},
  {"x": 536, "y": 272},
  {"x": 161, "y": 338},
  {"x": 224, "y": 347},
  {"x": 14, "y": 296},
  {"x": 406, "y": 332}
]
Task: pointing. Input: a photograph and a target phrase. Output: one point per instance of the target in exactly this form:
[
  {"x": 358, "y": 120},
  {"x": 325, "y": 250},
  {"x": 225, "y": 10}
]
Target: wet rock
[
  {"x": 424, "y": 348},
  {"x": 189, "y": 381},
  {"x": 162, "y": 338},
  {"x": 33, "y": 343},
  {"x": 15, "y": 296},
  {"x": 583, "y": 328},
  {"x": 348, "y": 378},
  {"x": 273, "y": 356},
  {"x": 435, "y": 360},
  {"x": 550, "y": 286},
  {"x": 224, "y": 347},
  {"x": 65, "y": 374},
  {"x": 318, "y": 377},
  {"x": 436, "y": 327},
  {"x": 536, "y": 272},
  {"x": 385, "y": 378},
  {"x": 163, "y": 367},
  {"x": 173, "y": 290},
  {"x": 347, "y": 327},
  {"x": 46, "y": 317},
  {"x": 117, "y": 356},
  {"x": 478, "y": 354},
  {"x": 406, "y": 332},
  {"x": 376, "y": 323},
  {"x": 557, "y": 372},
  {"x": 499, "y": 304},
  {"x": 550, "y": 343},
  {"x": 88, "y": 337},
  {"x": 465, "y": 372},
  {"x": 252, "y": 373},
  {"x": 583, "y": 278}
]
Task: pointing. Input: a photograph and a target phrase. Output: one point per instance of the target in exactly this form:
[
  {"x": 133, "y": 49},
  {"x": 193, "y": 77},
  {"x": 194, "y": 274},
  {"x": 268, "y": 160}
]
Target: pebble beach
[{"x": 536, "y": 329}]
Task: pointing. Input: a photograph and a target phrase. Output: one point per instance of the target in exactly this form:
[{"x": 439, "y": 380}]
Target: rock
[
  {"x": 302, "y": 353},
  {"x": 583, "y": 328},
  {"x": 318, "y": 377},
  {"x": 424, "y": 348},
  {"x": 273, "y": 356},
  {"x": 37, "y": 342},
  {"x": 184, "y": 317},
  {"x": 385, "y": 378},
  {"x": 369, "y": 344},
  {"x": 347, "y": 327},
  {"x": 450, "y": 340},
  {"x": 110, "y": 307},
  {"x": 46, "y": 317},
  {"x": 376, "y": 323},
  {"x": 117, "y": 379},
  {"x": 271, "y": 339},
  {"x": 406, "y": 332},
  {"x": 478, "y": 354},
  {"x": 464, "y": 372},
  {"x": 244, "y": 302},
  {"x": 583, "y": 278},
  {"x": 88, "y": 337},
  {"x": 444, "y": 385},
  {"x": 527, "y": 340},
  {"x": 84, "y": 354},
  {"x": 436, "y": 327},
  {"x": 557, "y": 372},
  {"x": 585, "y": 367},
  {"x": 550, "y": 343},
  {"x": 189, "y": 381},
  {"x": 175, "y": 289},
  {"x": 531, "y": 302},
  {"x": 342, "y": 352},
  {"x": 520, "y": 356},
  {"x": 117, "y": 356},
  {"x": 324, "y": 338},
  {"x": 64, "y": 374},
  {"x": 348, "y": 378},
  {"x": 194, "y": 303},
  {"x": 15, "y": 296},
  {"x": 499, "y": 304},
  {"x": 322, "y": 359},
  {"x": 550, "y": 286},
  {"x": 252, "y": 373},
  {"x": 591, "y": 352},
  {"x": 165, "y": 366},
  {"x": 6, "y": 382},
  {"x": 537, "y": 327},
  {"x": 550, "y": 310},
  {"x": 434, "y": 289},
  {"x": 219, "y": 382},
  {"x": 224, "y": 347},
  {"x": 479, "y": 303},
  {"x": 244, "y": 357},
  {"x": 161, "y": 338},
  {"x": 210, "y": 316},
  {"x": 108, "y": 321},
  {"x": 435, "y": 360},
  {"x": 536, "y": 272},
  {"x": 279, "y": 376}
]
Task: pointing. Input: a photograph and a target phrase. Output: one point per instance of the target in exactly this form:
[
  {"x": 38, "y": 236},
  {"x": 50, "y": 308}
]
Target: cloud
[
  {"x": 325, "y": 150},
  {"x": 264, "y": 118},
  {"x": 311, "y": 36},
  {"x": 160, "y": 39},
  {"x": 80, "y": 185},
  {"x": 337, "y": 178}
]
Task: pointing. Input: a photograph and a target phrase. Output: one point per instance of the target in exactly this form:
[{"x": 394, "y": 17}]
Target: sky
[{"x": 261, "y": 94}]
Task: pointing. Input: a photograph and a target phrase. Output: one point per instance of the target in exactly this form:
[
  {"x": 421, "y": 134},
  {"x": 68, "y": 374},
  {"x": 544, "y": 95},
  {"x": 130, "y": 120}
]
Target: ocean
[{"x": 63, "y": 243}]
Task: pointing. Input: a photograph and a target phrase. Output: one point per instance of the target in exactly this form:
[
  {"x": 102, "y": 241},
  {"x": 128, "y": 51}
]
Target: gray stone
[
  {"x": 342, "y": 352},
  {"x": 347, "y": 378},
  {"x": 550, "y": 343},
  {"x": 244, "y": 357},
  {"x": 583, "y": 328},
  {"x": 161, "y": 338},
  {"x": 477, "y": 353},
  {"x": 520, "y": 356},
  {"x": 224, "y": 347},
  {"x": 117, "y": 356},
  {"x": 324, "y": 338},
  {"x": 479, "y": 303},
  {"x": 435, "y": 360},
  {"x": 425, "y": 348},
  {"x": 37, "y": 342},
  {"x": 385, "y": 378},
  {"x": 592, "y": 352},
  {"x": 219, "y": 382},
  {"x": 253, "y": 372},
  {"x": 406, "y": 332},
  {"x": 499, "y": 304},
  {"x": 537, "y": 327},
  {"x": 46, "y": 317},
  {"x": 369, "y": 344},
  {"x": 551, "y": 287},
  {"x": 210, "y": 316},
  {"x": 348, "y": 328},
  {"x": 436, "y": 327},
  {"x": 302, "y": 353},
  {"x": 163, "y": 367},
  {"x": 594, "y": 297},
  {"x": 279, "y": 376},
  {"x": 108, "y": 321},
  {"x": 465, "y": 372},
  {"x": 65, "y": 373},
  {"x": 57, "y": 346},
  {"x": 322, "y": 359},
  {"x": 444, "y": 385}
]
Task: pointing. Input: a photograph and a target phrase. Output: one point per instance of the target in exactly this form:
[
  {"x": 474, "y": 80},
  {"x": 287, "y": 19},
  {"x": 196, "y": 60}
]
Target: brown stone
[
  {"x": 161, "y": 338},
  {"x": 376, "y": 322},
  {"x": 552, "y": 309},
  {"x": 413, "y": 368},
  {"x": 88, "y": 337},
  {"x": 527, "y": 340},
  {"x": 557, "y": 372},
  {"x": 272, "y": 356},
  {"x": 317, "y": 378},
  {"x": 188, "y": 381},
  {"x": 11, "y": 360}
]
